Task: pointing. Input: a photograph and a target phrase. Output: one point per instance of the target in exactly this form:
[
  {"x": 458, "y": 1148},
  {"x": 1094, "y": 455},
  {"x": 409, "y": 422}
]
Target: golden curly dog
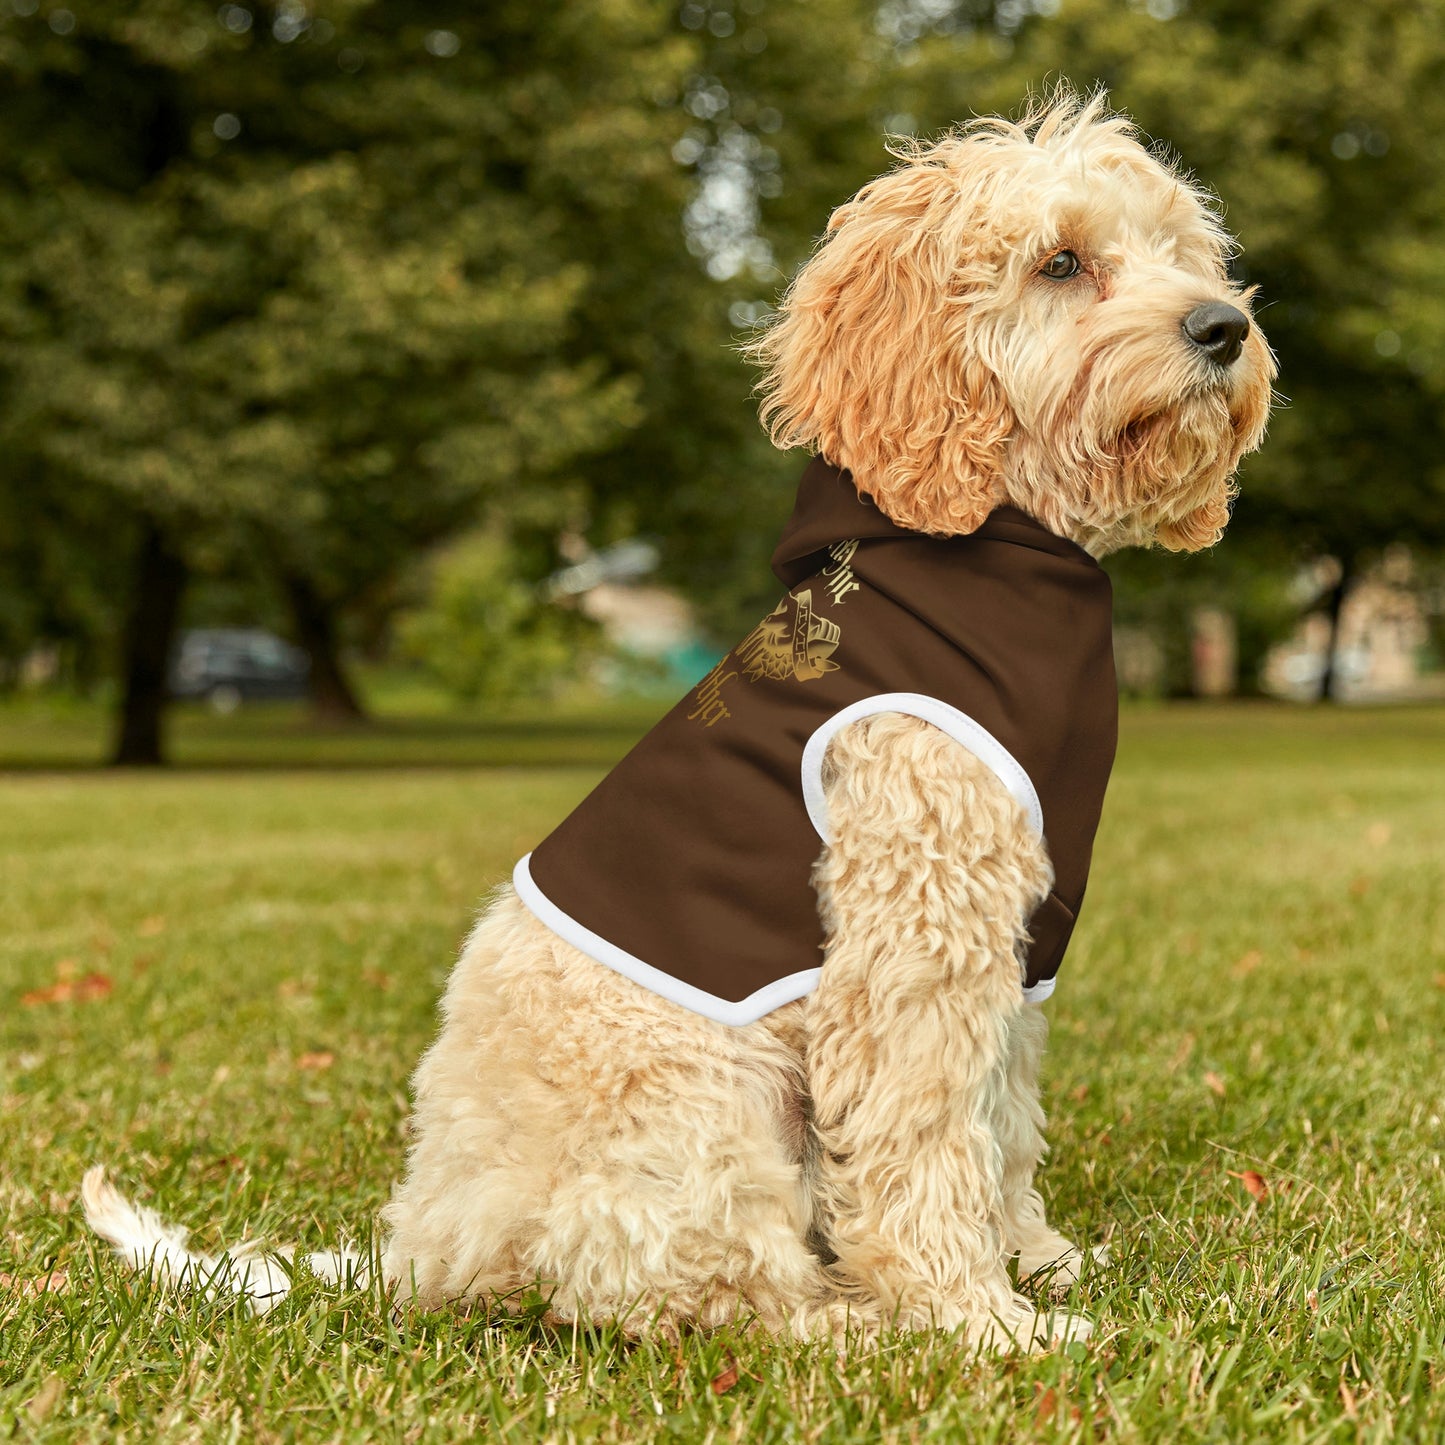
[{"x": 1035, "y": 314}]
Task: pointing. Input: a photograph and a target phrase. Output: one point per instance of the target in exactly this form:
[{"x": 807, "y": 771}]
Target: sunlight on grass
[{"x": 217, "y": 982}]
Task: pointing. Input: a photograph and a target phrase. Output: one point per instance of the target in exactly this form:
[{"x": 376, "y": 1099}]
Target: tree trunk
[
  {"x": 150, "y": 631},
  {"x": 333, "y": 699},
  {"x": 1329, "y": 678}
]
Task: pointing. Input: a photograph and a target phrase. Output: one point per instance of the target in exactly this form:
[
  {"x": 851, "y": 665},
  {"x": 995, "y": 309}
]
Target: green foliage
[
  {"x": 318, "y": 300},
  {"x": 307, "y": 287},
  {"x": 484, "y": 632},
  {"x": 313, "y": 286},
  {"x": 776, "y": 119},
  {"x": 62, "y": 552},
  {"x": 317, "y": 286}
]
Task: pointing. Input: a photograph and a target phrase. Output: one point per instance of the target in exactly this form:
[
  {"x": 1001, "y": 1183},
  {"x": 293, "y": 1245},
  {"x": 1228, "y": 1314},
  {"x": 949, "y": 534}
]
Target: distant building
[
  {"x": 658, "y": 644},
  {"x": 1383, "y": 639}
]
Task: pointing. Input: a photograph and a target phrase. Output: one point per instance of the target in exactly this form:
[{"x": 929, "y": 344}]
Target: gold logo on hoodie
[{"x": 791, "y": 641}]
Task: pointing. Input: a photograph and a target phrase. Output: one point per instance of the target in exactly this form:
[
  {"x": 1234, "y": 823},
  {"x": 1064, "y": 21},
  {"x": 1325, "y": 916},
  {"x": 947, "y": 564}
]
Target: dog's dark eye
[{"x": 1060, "y": 266}]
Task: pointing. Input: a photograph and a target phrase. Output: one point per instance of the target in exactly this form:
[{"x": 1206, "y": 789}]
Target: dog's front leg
[
  {"x": 1019, "y": 1126},
  {"x": 924, "y": 893}
]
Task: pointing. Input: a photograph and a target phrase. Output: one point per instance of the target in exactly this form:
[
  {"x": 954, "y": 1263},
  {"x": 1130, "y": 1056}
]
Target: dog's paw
[
  {"x": 1060, "y": 1327},
  {"x": 1058, "y": 1267},
  {"x": 1023, "y": 1326}
]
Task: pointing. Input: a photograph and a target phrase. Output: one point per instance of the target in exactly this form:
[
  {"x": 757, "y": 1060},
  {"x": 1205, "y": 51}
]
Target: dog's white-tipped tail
[
  {"x": 139, "y": 1235},
  {"x": 147, "y": 1243}
]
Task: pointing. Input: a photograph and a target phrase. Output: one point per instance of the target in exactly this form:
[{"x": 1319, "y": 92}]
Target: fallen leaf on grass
[
  {"x": 377, "y": 978},
  {"x": 56, "y": 993},
  {"x": 1181, "y": 1054},
  {"x": 56, "y": 1282},
  {"x": 45, "y": 1399},
  {"x": 1047, "y": 1407},
  {"x": 724, "y": 1382},
  {"x": 1360, "y": 886},
  {"x": 320, "y": 1059},
  {"x": 1248, "y": 963},
  {"x": 1214, "y": 1083},
  {"x": 1254, "y": 1183},
  {"x": 1440, "y": 980},
  {"x": 81, "y": 990},
  {"x": 151, "y": 927},
  {"x": 1080, "y": 1094}
]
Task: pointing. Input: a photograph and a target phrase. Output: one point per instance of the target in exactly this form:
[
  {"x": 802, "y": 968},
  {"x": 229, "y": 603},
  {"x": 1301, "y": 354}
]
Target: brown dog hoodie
[{"x": 688, "y": 866}]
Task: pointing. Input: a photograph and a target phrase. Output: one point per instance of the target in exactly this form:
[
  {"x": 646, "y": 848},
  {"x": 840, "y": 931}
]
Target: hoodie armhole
[{"x": 946, "y": 718}]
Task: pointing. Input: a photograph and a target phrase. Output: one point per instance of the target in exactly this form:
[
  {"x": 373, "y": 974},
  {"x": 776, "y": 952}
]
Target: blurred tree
[
  {"x": 296, "y": 282},
  {"x": 321, "y": 284},
  {"x": 780, "y": 117},
  {"x": 486, "y": 633}
]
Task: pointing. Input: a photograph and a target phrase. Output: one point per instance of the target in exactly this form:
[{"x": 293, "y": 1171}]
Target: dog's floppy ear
[{"x": 872, "y": 360}]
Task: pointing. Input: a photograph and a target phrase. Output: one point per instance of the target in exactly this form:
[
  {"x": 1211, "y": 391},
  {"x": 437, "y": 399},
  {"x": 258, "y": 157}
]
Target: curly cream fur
[
  {"x": 924, "y": 896},
  {"x": 921, "y": 348},
  {"x": 1018, "y": 1126},
  {"x": 577, "y": 1134},
  {"x": 866, "y": 1156}
]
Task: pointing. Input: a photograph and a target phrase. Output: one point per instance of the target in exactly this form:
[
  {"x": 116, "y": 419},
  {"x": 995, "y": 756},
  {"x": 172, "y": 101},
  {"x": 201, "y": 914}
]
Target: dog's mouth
[
  {"x": 1164, "y": 427},
  {"x": 1171, "y": 455},
  {"x": 1201, "y": 409}
]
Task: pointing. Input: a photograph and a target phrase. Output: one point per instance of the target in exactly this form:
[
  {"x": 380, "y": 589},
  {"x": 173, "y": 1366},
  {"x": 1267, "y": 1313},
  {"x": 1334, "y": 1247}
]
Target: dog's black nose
[{"x": 1218, "y": 331}]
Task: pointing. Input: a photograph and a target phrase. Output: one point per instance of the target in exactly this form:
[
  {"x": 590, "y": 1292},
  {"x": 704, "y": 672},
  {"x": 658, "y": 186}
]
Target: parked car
[{"x": 230, "y": 665}]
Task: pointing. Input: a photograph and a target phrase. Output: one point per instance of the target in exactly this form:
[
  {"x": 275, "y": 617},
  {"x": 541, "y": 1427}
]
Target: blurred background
[{"x": 370, "y": 360}]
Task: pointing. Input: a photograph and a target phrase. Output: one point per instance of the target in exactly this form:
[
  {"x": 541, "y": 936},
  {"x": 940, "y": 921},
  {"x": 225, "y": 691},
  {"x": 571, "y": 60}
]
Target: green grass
[
  {"x": 409, "y": 729},
  {"x": 1256, "y": 985}
]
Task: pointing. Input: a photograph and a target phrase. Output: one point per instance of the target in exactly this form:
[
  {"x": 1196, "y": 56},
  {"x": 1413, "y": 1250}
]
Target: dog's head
[{"x": 1036, "y": 313}]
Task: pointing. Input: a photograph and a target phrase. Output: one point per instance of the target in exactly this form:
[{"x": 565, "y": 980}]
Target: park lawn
[
  {"x": 410, "y": 727},
  {"x": 216, "y": 981}
]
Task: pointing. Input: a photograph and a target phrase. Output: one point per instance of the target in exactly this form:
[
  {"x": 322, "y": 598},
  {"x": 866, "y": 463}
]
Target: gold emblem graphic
[{"x": 791, "y": 641}]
